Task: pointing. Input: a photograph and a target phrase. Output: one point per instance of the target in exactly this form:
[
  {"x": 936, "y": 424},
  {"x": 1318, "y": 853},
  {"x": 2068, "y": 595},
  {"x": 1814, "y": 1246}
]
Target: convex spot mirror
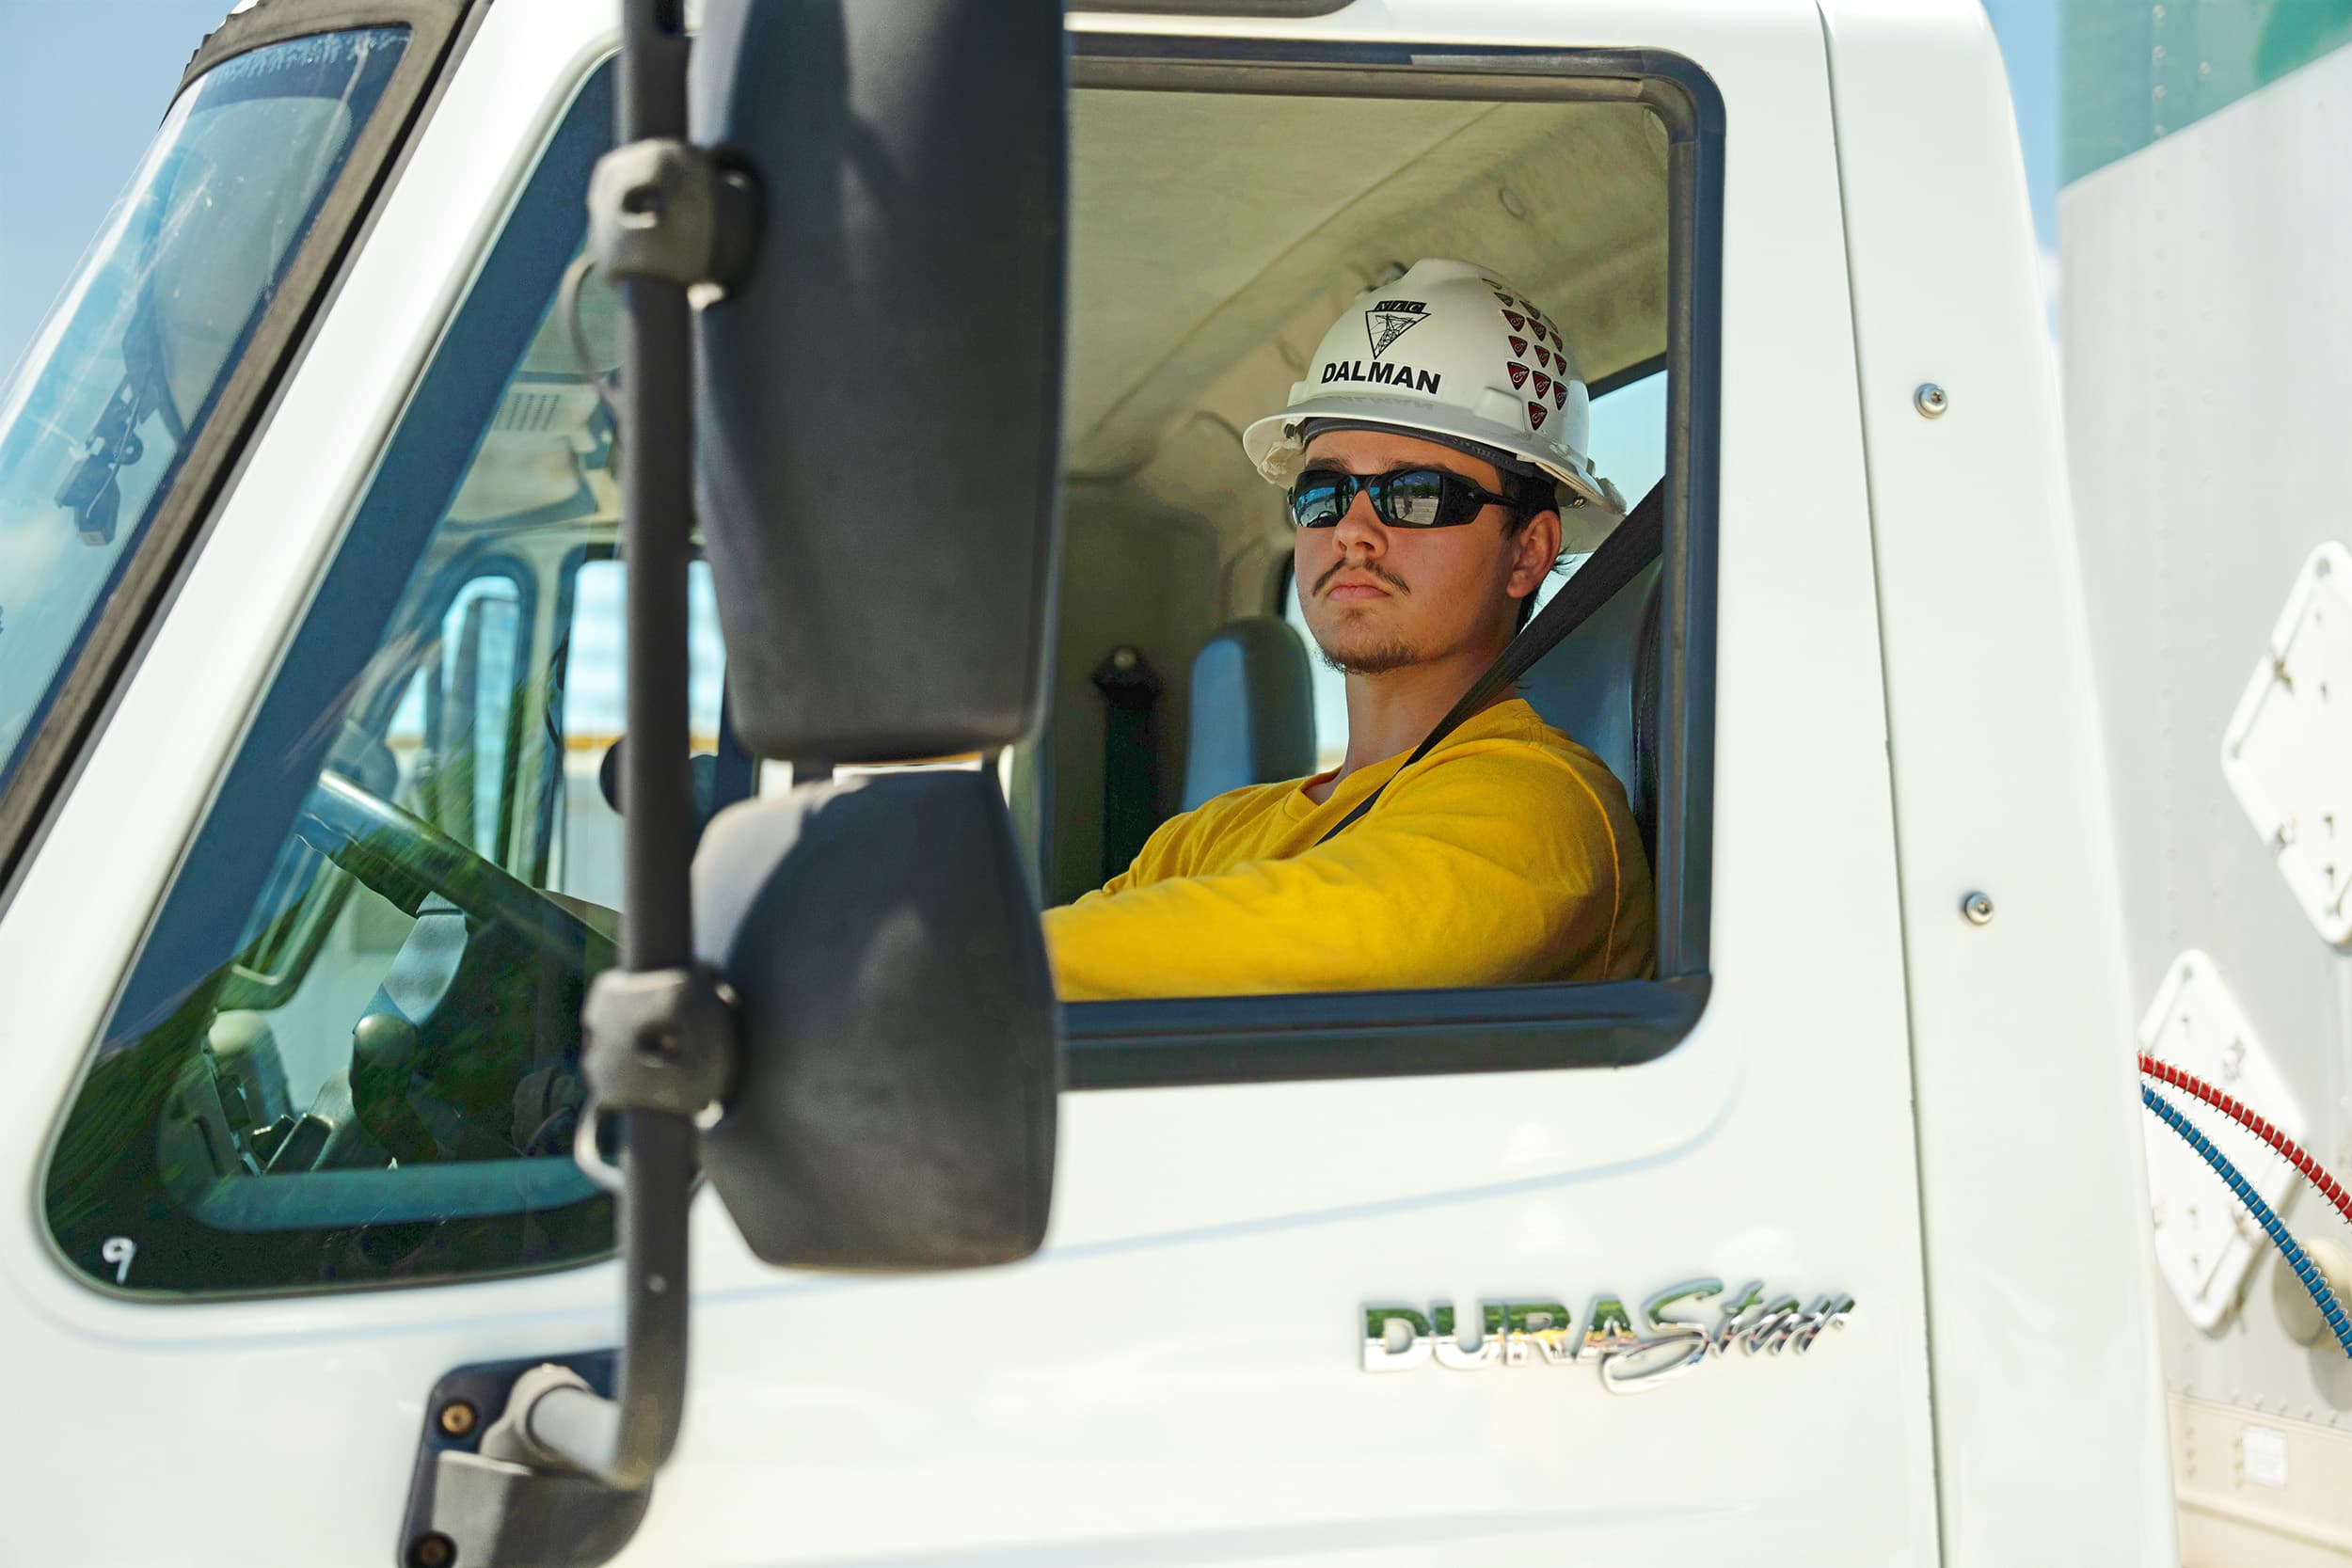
[
  {"x": 879, "y": 400},
  {"x": 895, "y": 1072}
]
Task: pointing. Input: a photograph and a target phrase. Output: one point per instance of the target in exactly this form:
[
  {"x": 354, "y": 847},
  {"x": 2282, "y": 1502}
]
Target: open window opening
[{"x": 1205, "y": 267}]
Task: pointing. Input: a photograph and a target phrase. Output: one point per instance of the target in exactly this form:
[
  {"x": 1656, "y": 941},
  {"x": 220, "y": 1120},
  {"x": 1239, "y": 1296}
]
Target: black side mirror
[
  {"x": 877, "y": 466},
  {"x": 892, "y": 1105}
]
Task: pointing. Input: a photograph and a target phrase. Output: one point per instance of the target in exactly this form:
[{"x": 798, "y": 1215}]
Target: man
[{"x": 1428, "y": 454}]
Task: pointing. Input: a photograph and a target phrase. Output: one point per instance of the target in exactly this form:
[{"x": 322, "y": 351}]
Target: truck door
[{"x": 1378, "y": 1276}]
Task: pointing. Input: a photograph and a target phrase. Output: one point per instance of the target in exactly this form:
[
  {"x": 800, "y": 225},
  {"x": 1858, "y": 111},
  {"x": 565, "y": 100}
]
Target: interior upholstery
[
  {"x": 1592, "y": 687},
  {"x": 1253, "y": 717}
]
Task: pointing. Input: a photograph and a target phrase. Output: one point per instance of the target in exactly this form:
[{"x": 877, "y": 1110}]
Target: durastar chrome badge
[{"x": 1632, "y": 1354}]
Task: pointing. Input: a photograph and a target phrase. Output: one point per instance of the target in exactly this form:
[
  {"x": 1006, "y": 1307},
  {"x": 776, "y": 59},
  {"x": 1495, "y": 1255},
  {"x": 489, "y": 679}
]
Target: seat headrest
[
  {"x": 1252, "y": 717},
  {"x": 1590, "y": 689}
]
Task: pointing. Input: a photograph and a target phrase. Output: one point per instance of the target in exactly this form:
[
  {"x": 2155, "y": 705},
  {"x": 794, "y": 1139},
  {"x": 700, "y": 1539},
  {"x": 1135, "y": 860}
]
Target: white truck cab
[{"x": 1828, "y": 1243}]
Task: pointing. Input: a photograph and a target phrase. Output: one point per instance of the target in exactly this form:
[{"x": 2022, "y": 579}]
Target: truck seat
[
  {"x": 1600, "y": 687},
  {"x": 1252, "y": 712}
]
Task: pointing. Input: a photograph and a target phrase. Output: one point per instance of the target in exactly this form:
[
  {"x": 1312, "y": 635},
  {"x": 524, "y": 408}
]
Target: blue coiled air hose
[{"x": 2328, "y": 1307}]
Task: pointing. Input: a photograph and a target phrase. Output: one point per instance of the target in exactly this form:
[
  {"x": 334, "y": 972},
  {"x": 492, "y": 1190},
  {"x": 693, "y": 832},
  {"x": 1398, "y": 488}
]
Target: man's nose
[{"x": 1360, "y": 525}]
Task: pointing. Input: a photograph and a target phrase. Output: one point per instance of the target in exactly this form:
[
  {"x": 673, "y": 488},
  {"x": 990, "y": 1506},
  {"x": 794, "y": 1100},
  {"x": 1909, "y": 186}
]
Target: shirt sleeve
[
  {"x": 1169, "y": 850},
  {"x": 1480, "y": 869}
]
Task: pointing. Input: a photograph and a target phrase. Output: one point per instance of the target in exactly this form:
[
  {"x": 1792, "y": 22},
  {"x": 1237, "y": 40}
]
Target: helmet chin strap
[{"x": 1633, "y": 544}]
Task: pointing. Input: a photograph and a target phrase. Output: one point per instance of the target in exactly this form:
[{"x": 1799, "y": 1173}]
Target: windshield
[{"x": 119, "y": 380}]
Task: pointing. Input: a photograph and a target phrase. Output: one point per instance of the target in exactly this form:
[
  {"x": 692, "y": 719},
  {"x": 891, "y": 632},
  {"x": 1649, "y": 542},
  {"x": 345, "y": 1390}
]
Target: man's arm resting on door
[{"x": 1486, "y": 870}]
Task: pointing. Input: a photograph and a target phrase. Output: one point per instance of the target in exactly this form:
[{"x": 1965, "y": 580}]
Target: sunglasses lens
[
  {"x": 1417, "y": 499},
  {"x": 1406, "y": 497},
  {"x": 1318, "y": 499}
]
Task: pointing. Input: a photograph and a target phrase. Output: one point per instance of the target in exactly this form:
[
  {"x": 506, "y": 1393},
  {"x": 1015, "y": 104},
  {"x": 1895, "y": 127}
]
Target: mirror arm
[{"x": 624, "y": 1440}]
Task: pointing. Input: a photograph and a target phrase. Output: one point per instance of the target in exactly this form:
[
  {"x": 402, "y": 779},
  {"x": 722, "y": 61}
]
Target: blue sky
[
  {"x": 83, "y": 84},
  {"x": 2028, "y": 31}
]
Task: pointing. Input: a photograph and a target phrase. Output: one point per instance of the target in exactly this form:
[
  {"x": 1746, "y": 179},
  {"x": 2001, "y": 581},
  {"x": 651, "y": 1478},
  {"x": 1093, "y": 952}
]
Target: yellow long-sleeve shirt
[{"x": 1505, "y": 855}]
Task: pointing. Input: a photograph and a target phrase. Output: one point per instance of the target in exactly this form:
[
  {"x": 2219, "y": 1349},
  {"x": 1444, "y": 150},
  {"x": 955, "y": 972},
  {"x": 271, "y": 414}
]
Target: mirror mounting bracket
[
  {"x": 666, "y": 210},
  {"x": 484, "y": 1494},
  {"x": 661, "y": 1041}
]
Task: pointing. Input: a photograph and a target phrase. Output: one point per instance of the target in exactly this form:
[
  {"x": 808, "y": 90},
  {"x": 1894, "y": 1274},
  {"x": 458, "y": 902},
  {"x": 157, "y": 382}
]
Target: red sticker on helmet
[
  {"x": 1535, "y": 412},
  {"x": 1506, "y": 300},
  {"x": 1558, "y": 394},
  {"x": 1518, "y": 346},
  {"x": 1519, "y": 323},
  {"x": 1543, "y": 384},
  {"x": 1543, "y": 358},
  {"x": 1518, "y": 375}
]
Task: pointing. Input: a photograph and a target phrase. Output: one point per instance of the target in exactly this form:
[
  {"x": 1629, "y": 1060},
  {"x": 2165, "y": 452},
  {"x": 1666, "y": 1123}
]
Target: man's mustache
[{"x": 1372, "y": 567}]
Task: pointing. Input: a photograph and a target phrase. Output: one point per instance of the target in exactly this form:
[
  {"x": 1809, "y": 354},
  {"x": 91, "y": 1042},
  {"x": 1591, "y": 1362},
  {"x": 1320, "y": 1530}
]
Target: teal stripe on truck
[{"x": 2131, "y": 72}]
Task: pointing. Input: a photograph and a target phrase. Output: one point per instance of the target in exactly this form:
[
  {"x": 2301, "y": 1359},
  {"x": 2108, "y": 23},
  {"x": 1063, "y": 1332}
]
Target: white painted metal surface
[
  {"x": 2288, "y": 752},
  {"x": 2205, "y": 1245},
  {"x": 2033, "y": 1200}
]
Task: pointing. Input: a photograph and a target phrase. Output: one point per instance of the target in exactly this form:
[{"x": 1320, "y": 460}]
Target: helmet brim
[{"x": 1274, "y": 446}]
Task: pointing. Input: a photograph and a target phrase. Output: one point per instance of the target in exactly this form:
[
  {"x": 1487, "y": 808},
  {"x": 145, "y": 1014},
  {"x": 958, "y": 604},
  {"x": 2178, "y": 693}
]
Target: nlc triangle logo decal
[{"x": 1389, "y": 320}]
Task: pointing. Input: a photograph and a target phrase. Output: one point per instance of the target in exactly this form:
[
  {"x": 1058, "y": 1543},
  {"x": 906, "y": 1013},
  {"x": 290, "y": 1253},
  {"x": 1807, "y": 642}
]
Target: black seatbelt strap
[
  {"x": 1630, "y": 548},
  {"x": 1131, "y": 755}
]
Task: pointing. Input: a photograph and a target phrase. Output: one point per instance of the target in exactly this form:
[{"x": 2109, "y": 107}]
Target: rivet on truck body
[
  {"x": 1977, "y": 909},
  {"x": 1930, "y": 401}
]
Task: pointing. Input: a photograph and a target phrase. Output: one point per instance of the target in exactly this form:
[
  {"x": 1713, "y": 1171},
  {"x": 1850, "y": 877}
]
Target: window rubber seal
[{"x": 1280, "y": 9}]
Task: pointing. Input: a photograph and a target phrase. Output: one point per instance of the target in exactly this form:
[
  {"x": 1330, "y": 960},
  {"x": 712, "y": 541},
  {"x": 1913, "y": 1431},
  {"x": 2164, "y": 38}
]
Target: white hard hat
[{"x": 1450, "y": 351}]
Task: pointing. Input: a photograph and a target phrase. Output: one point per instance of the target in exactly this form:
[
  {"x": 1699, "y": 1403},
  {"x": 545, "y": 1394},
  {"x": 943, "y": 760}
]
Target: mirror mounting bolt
[
  {"x": 667, "y": 210},
  {"x": 658, "y": 1040}
]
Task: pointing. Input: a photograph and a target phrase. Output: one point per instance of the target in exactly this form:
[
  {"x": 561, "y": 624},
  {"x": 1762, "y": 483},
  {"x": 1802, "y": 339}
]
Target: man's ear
[{"x": 1537, "y": 550}]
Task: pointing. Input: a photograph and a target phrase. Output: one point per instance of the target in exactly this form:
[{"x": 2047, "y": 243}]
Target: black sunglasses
[{"x": 1401, "y": 498}]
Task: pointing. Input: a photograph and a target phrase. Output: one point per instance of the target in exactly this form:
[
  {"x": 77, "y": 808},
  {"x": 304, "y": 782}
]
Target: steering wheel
[{"x": 409, "y": 862}]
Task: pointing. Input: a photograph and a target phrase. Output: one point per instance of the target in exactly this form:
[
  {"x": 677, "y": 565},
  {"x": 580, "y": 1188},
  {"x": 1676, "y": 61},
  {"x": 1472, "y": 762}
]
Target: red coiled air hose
[{"x": 2236, "y": 1110}]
